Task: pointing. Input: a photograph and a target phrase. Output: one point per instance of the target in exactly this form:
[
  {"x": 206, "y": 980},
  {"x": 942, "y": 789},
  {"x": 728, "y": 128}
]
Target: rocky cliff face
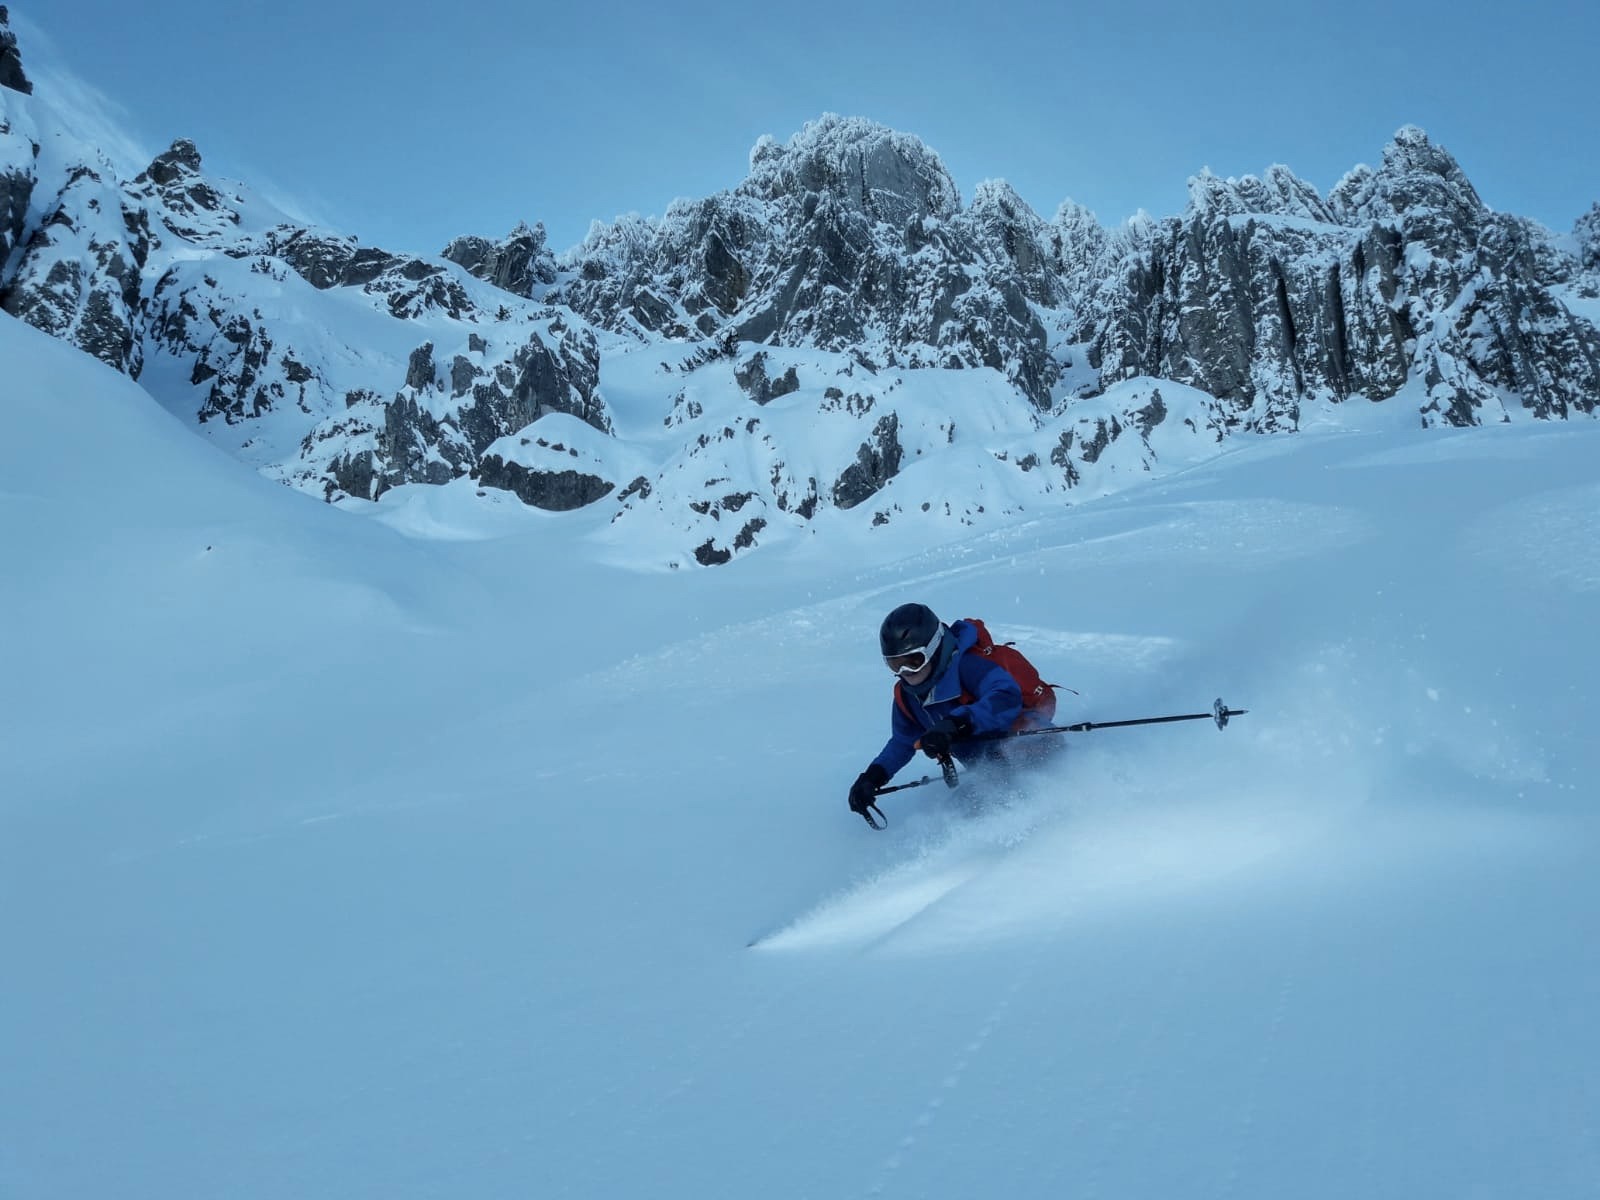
[
  {"x": 1586, "y": 252},
  {"x": 812, "y": 341},
  {"x": 849, "y": 237},
  {"x": 521, "y": 264},
  {"x": 1272, "y": 298},
  {"x": 1264, "y": 293},
  {"x": 78, "y": 275},
  {"x": 339, "y": 368},
  {"x": 11, "y": 74}
]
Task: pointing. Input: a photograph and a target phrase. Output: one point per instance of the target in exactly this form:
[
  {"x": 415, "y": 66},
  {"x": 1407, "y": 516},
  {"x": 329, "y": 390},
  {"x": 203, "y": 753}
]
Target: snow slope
[{"x": 419, "y": 857}]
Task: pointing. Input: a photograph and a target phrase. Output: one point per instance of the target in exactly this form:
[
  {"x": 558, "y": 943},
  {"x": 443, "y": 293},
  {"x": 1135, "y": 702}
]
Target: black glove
[
  {"x": 864, "y": 791},
  {"x": 936, "y": 742}
]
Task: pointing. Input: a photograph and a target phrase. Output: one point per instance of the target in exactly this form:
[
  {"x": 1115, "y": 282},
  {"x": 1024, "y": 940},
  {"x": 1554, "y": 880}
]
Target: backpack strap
[{"x": 900, "y": 701}]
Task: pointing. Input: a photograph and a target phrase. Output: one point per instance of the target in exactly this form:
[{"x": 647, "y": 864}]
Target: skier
[{"x": 953, "y": 697}]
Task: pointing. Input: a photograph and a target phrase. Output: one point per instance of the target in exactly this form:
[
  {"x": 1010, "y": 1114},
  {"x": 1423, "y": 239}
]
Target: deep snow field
[{"x": 419, "y": 856}]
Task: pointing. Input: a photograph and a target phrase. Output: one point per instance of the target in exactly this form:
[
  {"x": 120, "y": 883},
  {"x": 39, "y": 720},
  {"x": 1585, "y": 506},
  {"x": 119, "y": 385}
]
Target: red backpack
[{"x": 1038, "y": 697}]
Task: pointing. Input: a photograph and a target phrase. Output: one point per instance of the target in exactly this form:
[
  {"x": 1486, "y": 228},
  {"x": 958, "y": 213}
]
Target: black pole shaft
[
  {"x": 1086, "y": 726},
  {"x": 915, "y": 783},
  {"x": 1219, "y": 714}
]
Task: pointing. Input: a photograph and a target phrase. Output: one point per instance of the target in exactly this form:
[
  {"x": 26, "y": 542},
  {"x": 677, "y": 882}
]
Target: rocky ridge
[{"x": 818, "y": 336}]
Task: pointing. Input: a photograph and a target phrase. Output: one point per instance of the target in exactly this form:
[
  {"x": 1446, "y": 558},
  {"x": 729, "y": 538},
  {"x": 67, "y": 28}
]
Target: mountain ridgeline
[{"x": 836, "y": 319}]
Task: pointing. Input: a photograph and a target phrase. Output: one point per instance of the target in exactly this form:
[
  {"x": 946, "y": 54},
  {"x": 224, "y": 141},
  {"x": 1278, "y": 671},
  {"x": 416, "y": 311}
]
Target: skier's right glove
[
  {"x": 865, "y": 789},
  {"x": 937, "y": 741}
]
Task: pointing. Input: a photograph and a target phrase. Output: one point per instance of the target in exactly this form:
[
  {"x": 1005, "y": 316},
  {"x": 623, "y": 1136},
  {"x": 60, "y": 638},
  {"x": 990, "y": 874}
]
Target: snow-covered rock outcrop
[
  {"x": 1273, "y": 299},
  {"x": 848, "y": 237},
  {"x": 835, "y": 341}
]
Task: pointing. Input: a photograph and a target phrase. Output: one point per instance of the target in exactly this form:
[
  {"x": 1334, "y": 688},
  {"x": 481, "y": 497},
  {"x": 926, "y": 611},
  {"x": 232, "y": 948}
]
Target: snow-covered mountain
[
  {"x": 835, "y": 342},
  {"x": 447, "y": 853}
]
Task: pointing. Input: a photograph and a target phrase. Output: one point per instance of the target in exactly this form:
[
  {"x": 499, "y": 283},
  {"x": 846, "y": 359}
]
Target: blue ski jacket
[{"x": 970, "y": 686}]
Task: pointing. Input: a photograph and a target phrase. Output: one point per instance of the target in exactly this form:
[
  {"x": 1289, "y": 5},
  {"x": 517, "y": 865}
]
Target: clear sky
[{"x": 411, "y": 124}]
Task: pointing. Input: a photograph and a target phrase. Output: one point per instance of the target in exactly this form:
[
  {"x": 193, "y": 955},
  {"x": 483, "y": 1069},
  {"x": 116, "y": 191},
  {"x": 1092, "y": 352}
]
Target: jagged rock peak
[
  {"x": 1410, "y": 150},
  {"x": 1285, "y": 194},
  {"x": 11, "y": 75},
  {"x": 997, "y": 207},
  {"x": 1416, "y": 176},
  {"x": 191, "y": 206},
  {"x": 1280, "y": 193},
  {"x": 1211, "y": 195},
  {"x": 1072, "y": 215},
  {"x": 1078, "y": 227},
  {"x": 1351, "y": 192},
  {"x": 869, "y": 167},
  {"x": 172, "y": 164},
  {"x": 999, "y": 195}
]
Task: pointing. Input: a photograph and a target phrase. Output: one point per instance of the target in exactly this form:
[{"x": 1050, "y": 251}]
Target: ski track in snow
[
  {"x": 922, "y": 1124},
  {"x": 1124, "y": 1093},
  {"x": 1256, "y": 1074},
  {"x": 1147, "y": 1044}
]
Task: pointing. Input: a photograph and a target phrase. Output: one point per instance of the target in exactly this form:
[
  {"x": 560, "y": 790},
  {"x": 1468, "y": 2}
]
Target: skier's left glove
[
  {"x": 865, "y": 789},
  {"x": 937, "y": 741}
]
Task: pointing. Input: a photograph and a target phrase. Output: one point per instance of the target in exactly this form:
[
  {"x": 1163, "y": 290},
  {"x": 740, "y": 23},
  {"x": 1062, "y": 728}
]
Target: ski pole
[
  {"x": 1219, "y": 713},
  {"x": 949, "y": 776},
  {"x": 948, "y": 773}
]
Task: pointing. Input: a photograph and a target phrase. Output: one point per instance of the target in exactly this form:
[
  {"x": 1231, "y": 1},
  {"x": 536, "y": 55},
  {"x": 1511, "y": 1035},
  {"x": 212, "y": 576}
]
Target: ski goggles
[{"x": 913, "y": 661}]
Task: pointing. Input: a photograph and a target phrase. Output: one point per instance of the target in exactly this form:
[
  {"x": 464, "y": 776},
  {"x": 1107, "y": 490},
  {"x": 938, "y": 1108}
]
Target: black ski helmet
[{"x": 909, "y": 627}]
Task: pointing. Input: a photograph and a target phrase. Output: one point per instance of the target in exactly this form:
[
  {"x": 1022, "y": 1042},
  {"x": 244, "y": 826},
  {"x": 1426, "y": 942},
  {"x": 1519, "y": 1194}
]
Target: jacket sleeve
[
  {"x": 998, "y": 701},
  {"x": 902, "y": 743}
]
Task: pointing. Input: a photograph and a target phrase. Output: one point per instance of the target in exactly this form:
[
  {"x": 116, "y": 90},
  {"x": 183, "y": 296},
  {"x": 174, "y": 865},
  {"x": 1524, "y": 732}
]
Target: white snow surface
[{"x": 422, "y": 856}]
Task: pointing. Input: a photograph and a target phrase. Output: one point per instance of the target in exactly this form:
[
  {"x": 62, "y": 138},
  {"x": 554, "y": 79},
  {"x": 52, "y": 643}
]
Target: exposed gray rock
[
  {"x": 849, "y": 236},
  {"x": 408, "y": 286},
  {"x": 189, "y": 205},
  {"x": 1267, "y": 297},
  {"x": 78, "y": 276},
  {"x": 1515, "y": 335},
  {"x": 407, "y": 445},
  {"x": 877, "y": 462},
  {"x": 324, "y": 262},
  {"x": 16, "y": 193},
  {"x": 710, "y": 554},
  {"x": 555, "y": 491},
  {"x": 752, "y": 377},
  {"x": 1586, "y": 233},
  {"x": 419, "y": 371},
  {"x": 463, "y": 371},
  {"x": 241, "y": 386},
  {"x": 402, "y": 441},
  {"x": 11, "y": 74},
  {"x": 520, "y": 264},
  {"x": 246, "y": 366},
  {"x": 1010, "y": 233}
]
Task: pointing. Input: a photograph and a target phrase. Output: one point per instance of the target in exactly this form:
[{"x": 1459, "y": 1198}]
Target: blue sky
[{"x": 408, "y": 125}]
